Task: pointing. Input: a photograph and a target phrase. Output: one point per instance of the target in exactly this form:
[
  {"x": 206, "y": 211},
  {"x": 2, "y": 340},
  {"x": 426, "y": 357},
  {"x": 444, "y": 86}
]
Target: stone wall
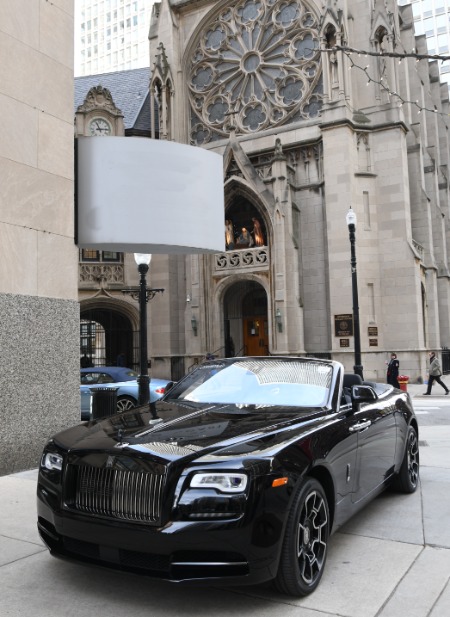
[
  {"x": 39, "y": 311},
  {"x": 39, "y": 375}
]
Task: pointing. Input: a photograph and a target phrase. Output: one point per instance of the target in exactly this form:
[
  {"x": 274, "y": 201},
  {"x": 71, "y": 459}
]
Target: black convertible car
[{"x": 238, "y": 475}]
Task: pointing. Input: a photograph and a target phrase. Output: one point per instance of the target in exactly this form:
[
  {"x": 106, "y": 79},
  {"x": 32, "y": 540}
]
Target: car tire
[
  {"x": 124, "y": 403},
  {"x": 407, "y": 479},
  {"x": 304, "y": 549}
]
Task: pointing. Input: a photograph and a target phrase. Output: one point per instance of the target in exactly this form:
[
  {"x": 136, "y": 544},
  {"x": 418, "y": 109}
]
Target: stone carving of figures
[
  {"x": 257, "y": 233},
  {"x": 334, "y": 70},
  {"x": 383, "y": 46},
  {"x": 245, "y": 238},
  {"x": 333, "y": 62},
  {"x": 278, "y": 148},
  {"x": 229, "y": 235}
]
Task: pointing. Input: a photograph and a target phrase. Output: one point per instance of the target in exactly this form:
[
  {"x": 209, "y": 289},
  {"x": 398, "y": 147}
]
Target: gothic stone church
[{"x": 306, "y": 130}]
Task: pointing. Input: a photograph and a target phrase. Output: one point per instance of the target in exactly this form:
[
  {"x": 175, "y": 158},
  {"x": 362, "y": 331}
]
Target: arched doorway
[
  {"x": 107, "y": 338},
  {"x": 246, "y": 325}
]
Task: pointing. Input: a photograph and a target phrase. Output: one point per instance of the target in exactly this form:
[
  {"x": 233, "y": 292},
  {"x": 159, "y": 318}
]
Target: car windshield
[
  {"x": 296, "y": 383},
  {"x": 128, "y": 375}
]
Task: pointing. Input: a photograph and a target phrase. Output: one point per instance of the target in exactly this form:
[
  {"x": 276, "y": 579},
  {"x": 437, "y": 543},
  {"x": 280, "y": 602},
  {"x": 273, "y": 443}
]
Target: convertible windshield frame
[{"x": 263, "y": 382}]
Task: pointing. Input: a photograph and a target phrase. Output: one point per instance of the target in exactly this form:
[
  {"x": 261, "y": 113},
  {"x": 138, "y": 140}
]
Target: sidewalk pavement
[{"x": 391, "y": 560}]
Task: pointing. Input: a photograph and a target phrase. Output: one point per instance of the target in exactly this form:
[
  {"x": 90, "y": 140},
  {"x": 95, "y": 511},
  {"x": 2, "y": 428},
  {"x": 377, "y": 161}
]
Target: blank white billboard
[{"x": 140, "y": 195}]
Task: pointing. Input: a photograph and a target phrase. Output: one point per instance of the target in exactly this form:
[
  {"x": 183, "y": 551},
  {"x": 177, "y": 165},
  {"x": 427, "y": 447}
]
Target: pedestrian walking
[
  {"x": 435, "y": 373},
  {"x": 393, "y": 370}
]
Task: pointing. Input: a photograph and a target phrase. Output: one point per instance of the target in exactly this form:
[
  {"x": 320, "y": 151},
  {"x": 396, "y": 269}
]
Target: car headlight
[
  {"x": 52, "y": 461},
  {"x": 224, "y": 482}
]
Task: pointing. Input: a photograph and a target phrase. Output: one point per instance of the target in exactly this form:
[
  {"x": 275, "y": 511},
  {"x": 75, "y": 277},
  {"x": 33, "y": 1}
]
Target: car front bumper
[{"x": 225, "y": 552}]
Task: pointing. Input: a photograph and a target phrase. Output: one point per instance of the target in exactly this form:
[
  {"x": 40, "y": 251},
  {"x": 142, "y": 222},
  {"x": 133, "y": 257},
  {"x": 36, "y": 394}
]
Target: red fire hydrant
[{"x": 403, "y": 381}]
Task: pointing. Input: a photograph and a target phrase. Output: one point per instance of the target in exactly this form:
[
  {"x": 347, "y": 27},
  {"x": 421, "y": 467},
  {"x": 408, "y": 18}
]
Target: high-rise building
[
  {"x": 432, "y": 19},
  {"x": 111, "y": 35}
]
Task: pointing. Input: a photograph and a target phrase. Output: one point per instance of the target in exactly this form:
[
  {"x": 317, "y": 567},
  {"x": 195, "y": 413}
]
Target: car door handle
[{"x": 361, "y": 426}]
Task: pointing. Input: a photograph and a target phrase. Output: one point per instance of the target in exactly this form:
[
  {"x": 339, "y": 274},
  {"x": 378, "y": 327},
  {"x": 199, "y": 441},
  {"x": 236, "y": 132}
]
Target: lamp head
[
  {"x": 142, "y": 258},
  {"x": 351, "y": 218}
]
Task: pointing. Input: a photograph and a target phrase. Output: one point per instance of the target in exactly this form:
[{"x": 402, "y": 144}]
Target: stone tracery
[{"x": 256, "y": 64}]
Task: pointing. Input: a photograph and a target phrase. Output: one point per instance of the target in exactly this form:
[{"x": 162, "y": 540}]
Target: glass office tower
[
  {"x": 111, "y": 35},
  {"x": 432, "y": 18}
]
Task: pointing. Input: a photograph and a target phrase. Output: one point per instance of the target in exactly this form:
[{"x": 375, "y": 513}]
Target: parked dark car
[
  {"x": 239, "y": 477},
  {"x": 125, "y": 379}
]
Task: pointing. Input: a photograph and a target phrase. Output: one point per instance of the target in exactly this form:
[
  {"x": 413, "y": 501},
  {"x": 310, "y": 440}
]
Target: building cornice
[{"x": 382, "y": 126}]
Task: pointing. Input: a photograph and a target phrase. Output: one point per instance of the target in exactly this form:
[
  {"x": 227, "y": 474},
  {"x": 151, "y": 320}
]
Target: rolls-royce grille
[{"x": 116, "y": 493}]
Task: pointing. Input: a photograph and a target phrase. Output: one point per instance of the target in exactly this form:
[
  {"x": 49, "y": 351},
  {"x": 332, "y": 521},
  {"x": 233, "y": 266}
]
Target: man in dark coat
[{"x": 392, "y": 371}]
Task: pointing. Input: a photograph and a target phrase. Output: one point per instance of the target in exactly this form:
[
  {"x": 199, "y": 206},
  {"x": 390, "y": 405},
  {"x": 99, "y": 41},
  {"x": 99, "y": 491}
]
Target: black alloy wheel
[
  {"x": 124, "y": 403},
  {"x": 305, "y": 542},
  {"x": 407, "y": 478}
]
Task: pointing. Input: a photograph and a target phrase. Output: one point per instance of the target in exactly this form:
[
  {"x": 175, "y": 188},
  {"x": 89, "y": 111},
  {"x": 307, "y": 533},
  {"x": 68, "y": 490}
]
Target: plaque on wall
[
  {"x": 373, "y": 342},
  {"x": 343, "y": 325},
  {"x": 372, "y": 330},
  {"x": 344, "y": 342}
]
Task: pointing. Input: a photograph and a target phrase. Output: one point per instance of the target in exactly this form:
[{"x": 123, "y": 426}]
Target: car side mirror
[{"x": 362, "y": 394}]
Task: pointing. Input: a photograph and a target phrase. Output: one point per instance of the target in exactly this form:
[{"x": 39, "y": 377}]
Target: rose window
[{"x": 256, "y": 64}]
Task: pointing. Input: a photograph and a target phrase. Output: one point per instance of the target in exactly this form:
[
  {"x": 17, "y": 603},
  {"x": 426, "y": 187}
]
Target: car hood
[{"x": 192, "y": 431}]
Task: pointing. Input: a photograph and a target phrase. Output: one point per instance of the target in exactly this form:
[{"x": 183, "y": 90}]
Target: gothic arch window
[
  {"x": 296, "y": 225},
  {"x": 363, "y": 149},
  {"x": 382, "y": 45},
  {"x": 257, "y": 61},
  {"x": 331, "y": 41},
  {"x": 155, "y": 101},
  {"x": 168, "y": 109},
  {"x": 162, "y": 94},
  {"x": 244, "y": 226},
  {"x": 330, "y": 37}
]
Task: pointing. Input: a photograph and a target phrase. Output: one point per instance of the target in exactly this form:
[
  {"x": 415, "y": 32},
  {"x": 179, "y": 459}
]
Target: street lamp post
[
  {"x": 143, "y": 294},
  {"x": 351, "y": 224},
  {"x": 143, "y": 263}
]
